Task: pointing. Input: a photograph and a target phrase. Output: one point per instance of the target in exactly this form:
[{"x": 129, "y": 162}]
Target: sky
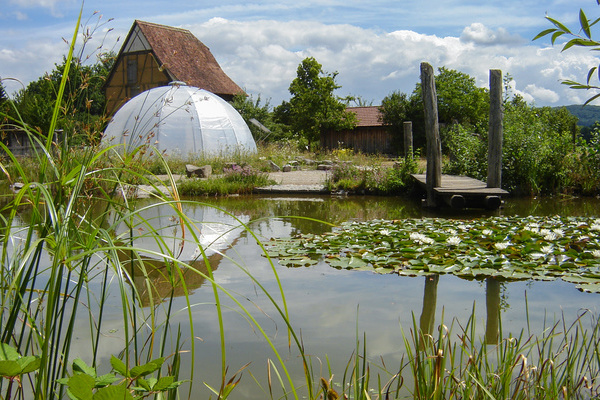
[{"x": 375, "y": 47}]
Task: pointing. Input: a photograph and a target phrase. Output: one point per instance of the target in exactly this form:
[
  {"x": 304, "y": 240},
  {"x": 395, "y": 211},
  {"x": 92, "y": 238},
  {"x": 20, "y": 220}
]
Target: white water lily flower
[
  {"x": 551, "y": 236},
  {"x": 547, "y": 249},
  {"x": 420, "y": 238},
  {"x": 487, "y": 232},
  {"x": 501, "y": 245},
  {"x": 384, "y": 232},
  {"x": 558, "y": 232},
  {"x": 595, "y": 227},
  {"x": 451, "y": 232},
  {"x": 453, "y": 241},
  {"x": 596, "y": 253}
]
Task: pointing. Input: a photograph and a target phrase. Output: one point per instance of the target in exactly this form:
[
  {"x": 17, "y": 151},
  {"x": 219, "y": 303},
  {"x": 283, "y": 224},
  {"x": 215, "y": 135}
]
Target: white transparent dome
[{"x": 180, "y": 119}]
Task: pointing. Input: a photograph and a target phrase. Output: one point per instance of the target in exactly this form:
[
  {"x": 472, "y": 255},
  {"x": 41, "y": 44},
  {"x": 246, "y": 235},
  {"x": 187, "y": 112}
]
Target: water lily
[
  {"x": 596, "y": 253},
  {"x": 420, "y": 238},
  {"x": 453, "y": 241},
  {"x": 501, "y": 245},
  {"x": 384, "y": 232},
  {"x": 546, "y": 249},
  {"x": 487, "y": 232}
]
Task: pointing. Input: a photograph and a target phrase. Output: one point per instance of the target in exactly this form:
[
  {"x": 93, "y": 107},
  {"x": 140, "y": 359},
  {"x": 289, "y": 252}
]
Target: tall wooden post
[
  {"x": 408, "y": 139},
  {"x": 494, "y": 178},
  {"x": 432, "y": 131}
]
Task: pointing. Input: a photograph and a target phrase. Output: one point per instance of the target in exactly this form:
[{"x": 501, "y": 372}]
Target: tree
[
  {"x": 84, "y": 100},
  {"x": 583, "y": 38},
  {"x": 394, "y": 112},
  {"x": 313, "y": 108},
  {"x": 253, "y": 111}
]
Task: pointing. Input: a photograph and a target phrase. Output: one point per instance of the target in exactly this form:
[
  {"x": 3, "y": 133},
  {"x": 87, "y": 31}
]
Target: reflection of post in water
[
  {"x": 492, "y": 301},
  {"x": 429, "y": 304}
]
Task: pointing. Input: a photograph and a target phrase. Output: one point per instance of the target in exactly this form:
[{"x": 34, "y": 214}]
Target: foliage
[
  {"x": 394, "y": 111},
  {"x": 538, "y": 149},
  {"x": 313, "y": 107},
  {"x": 252, "y": 110},
  {"x": 542, "y": 248},
  {"x": 348, "y": 177},
  {"x": 235, "y": 180},
  {"x": 452, "y": 362},
  {"x": 580, "y": 37},
  {"x": 84, "y": 106},
  {"x": 85, "y": 383}
]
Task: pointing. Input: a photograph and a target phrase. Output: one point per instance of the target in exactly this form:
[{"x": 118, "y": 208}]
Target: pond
[{"x": 333, "y": 308}]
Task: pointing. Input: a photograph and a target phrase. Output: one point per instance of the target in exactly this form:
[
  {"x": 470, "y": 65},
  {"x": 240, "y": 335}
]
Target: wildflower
[
  {"x": 501, "y": 245},
  {"x": 453, "y": 241}
]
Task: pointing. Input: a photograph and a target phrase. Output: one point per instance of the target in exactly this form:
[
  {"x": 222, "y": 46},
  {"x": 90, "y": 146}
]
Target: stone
[
  {"x": 201, "y": 172},
  {"x": 274, "y": 167},
  {"x": 287, "y": 168},
  {"x": 324, "y": 167}
]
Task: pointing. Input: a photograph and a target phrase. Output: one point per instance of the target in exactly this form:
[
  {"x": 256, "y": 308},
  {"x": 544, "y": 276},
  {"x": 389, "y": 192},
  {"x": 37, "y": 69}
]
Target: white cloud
[
  {"x": 479, "y": 34},
  {"x": 53, "y": 5},
  {"x": 542, "y": 94}
]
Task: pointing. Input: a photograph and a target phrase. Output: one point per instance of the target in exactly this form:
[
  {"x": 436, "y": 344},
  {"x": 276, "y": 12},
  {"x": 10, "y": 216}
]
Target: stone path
[{"x": 312, "y": 181}]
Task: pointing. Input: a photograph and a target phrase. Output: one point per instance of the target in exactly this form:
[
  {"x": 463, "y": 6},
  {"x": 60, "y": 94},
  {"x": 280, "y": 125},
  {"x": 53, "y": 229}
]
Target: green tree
[
  {"x": 254, "y": 111},
  {"x": 84, "y": 100},
  {"x": 394, "y": 112},
  {"x": 313, "y": 108}
]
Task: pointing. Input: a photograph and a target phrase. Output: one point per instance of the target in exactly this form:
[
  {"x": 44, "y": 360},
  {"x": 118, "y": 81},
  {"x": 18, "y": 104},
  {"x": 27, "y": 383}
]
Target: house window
[{"x": 132, "y": 71}]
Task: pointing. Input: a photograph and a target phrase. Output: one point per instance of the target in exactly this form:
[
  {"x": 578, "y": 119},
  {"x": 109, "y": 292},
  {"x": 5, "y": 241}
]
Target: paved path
[{"x": 312, "y": 181}]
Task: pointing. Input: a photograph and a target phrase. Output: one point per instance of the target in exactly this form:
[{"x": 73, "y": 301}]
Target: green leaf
[
  {"x": 119, "y": 366},
  {"x": 117, "y": 392},
  {"x": 544, "y": 33},
  {"x": 9, "y": 368},
  {"x": 146, "y": 385},
  {"x": 80, "y": 366},
  {"x": 584, "y": 24},
  {"x": 559, "y": 25},
  {"x": 164, "y": 383},
  {"x": 81, "y": 386},
  {"x": 8, "y": 352},
  {"x": 29, "y": 364},
  {"x": 148, "y": 368},
  {"x": 105, "y": 380}
]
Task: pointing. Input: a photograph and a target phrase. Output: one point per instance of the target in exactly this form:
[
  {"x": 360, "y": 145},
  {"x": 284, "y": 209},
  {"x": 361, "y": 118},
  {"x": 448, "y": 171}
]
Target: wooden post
[
  {"x": 432, "y": 131},
  {"x": 408, "y": 139},
  {"x": 494, "y": 178}
]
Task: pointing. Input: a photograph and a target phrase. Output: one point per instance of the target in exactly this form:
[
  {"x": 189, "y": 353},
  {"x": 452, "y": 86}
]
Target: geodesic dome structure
[{"x": 180, "y": 119}]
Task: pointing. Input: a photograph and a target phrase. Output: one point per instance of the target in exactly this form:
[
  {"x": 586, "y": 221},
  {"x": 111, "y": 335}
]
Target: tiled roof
[
  {"x": 367, "y": 116},
  {"x": 186, "y": 58}
]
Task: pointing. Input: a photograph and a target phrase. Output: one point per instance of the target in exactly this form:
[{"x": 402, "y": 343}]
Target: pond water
[{"x": 331, "y": 309}]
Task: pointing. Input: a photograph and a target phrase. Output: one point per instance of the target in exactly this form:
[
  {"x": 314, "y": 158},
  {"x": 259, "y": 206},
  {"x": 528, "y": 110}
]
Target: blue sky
[{"x": 376, "y": 47}]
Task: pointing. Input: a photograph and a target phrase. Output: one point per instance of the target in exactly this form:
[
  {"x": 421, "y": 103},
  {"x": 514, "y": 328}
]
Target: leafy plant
[
  {"x": 133, "y": 382},
  {"x": 580, "y": 37}
]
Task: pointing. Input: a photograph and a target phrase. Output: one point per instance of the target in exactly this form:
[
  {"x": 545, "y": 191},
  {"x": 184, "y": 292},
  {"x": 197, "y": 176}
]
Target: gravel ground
[{"x": 311, "y": 181}]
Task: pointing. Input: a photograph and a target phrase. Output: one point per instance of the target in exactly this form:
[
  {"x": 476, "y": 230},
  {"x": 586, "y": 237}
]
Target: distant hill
[{"x": 587, "y": 115}]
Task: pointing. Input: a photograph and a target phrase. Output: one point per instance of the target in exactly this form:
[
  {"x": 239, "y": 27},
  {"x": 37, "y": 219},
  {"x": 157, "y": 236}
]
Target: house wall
[
  {"x": 133, "y": 74},
  {"x": 369, "y": 140}
]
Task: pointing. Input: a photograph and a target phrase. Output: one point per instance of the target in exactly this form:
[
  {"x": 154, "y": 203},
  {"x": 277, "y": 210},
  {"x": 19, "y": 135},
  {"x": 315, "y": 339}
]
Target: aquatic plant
[{"x": 510, "y": 248}]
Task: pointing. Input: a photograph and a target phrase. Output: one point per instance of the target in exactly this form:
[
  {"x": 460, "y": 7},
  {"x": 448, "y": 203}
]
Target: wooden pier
[
  {"x": 461, "y": 191},
  {"x": 464, "y": 192}
]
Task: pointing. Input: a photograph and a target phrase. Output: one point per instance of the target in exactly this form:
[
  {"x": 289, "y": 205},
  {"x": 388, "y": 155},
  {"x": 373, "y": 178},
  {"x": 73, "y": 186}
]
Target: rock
[
  {"x": 324, "y": 167},
  {"x": 230, "y": 165},
  {"x": 326, "y": 162},
  {"x": 274, "y": 167},
  {"x": 201, "y": 172},
  {"x": 287, "y": 168}
]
